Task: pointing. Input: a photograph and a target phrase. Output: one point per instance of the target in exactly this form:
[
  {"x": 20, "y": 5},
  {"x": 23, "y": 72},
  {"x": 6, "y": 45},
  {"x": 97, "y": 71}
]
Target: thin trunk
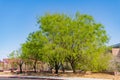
[
  {"x": 72, "y": 61},
  {"x": 56, "y": 68},
  {"x": 20, "y": 66},
  {"x": 73, "y": 67},
  {"x": 34, "y": 66}
]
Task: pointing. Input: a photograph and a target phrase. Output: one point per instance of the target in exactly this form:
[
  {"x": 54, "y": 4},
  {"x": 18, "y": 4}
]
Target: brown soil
[{"x": 92, "y": 75}]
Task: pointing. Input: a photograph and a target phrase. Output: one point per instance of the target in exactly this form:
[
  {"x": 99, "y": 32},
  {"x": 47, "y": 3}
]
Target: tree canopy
[{"x": 78, "y": 40}]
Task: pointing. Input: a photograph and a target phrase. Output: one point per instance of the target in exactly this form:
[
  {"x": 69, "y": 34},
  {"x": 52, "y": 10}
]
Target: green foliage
[
  {"x": 12, "y": 55},
  {"x": 16, "y": 54},
  {"x": 96, "y": 63},
  {"x": 32, "y": 49},
  {"x": 78, "y": 40}
]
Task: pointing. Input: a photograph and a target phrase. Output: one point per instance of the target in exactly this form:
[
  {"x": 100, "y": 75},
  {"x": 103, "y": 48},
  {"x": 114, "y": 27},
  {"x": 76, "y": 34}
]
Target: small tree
[
  {"x": 32, "y": 48},
  {"x": 17, "y": 58}
]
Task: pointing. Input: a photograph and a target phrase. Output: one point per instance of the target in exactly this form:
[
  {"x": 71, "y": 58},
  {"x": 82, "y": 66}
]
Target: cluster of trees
[{"x": 77, "y": 40}]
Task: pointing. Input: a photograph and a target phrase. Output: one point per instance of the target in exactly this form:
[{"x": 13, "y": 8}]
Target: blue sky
[{"x": 18, "y": 18}]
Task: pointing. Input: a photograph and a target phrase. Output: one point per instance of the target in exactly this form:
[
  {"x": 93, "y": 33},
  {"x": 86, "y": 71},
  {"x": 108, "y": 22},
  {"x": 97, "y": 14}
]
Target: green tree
[
  {"x": 77, "y": 40},
  {"x": 17, "y": 58},
  {"x": 53, "y": 26},
  {"x": 53, "y": 55},
  {"x": 32, "y": 48},
  {"x": 93, "y": 40}
]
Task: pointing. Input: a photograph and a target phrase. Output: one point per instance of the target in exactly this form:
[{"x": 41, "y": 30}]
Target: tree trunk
[
  {"x": 20, "y": 66},
  {"x": 56, "y": 68},
  {"x": 73, "y": 67},
  {"x": 34, "y": 66}
]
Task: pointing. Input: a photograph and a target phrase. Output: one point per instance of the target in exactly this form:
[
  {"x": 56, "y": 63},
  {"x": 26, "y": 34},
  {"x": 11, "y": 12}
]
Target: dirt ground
[{"x": 92, "y": 75}]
